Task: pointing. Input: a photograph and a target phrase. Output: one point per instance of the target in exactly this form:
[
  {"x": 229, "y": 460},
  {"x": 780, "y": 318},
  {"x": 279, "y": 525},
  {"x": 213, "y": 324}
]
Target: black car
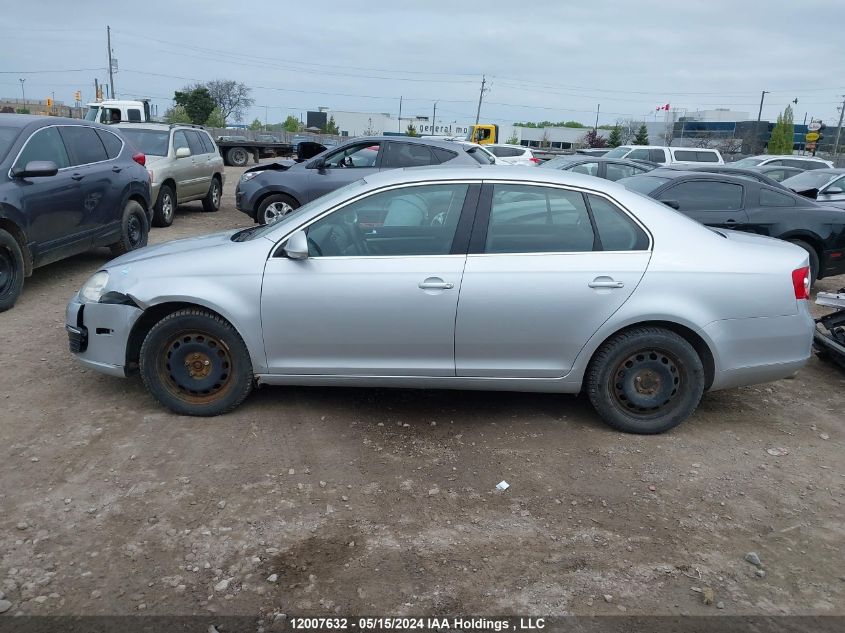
[
  {"x": 599, "y": 166},
  {"x": 66, "y": 186},
  {"x": 732, "y": 202},
  {"x": 269, "y": 191}
]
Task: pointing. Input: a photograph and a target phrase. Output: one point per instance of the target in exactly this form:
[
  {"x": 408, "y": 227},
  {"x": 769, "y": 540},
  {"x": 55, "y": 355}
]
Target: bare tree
[
  {"x": 231, "y": 97},
  {"x": 627, "y": 130}
]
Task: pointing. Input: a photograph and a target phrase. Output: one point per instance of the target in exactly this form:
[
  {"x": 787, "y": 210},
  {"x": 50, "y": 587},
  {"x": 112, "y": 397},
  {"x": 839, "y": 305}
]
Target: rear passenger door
[
  {"x": 540, "y": 280},
  {"x": 711, "y": 202}
]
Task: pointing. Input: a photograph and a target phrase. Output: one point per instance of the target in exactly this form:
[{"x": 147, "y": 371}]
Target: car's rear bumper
[
  {"x": 98, "y": 334},
  {"x": 833, "y": 263},
  {"x": 751, "y": 351}
]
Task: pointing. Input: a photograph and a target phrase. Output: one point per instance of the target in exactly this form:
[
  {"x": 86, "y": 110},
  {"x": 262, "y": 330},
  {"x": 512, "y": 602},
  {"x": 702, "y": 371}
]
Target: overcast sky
[{"x": 542, "y": 59}]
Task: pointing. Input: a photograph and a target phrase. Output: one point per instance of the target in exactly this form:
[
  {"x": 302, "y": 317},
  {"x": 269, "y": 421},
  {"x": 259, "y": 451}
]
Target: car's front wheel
[
  {"x": 195, "y": 363},
  {"x": 275, "y": 207},
  {"x": 645, "y": 380},
  {"x": 11, "y": 270}
]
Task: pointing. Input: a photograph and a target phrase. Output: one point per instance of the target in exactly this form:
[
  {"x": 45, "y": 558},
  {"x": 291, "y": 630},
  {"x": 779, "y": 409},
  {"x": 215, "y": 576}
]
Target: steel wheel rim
[
  {"x": 276, "y": 211},
  {"x": 196, "y": 367},
  {"x": 133, "y": 230},
  {"x": 215, "y": 194},
  {"x": 167, "y": 206},
  {"x": 239, "y": 155},
  {"x": 7, "y": 271},
  {"x": 647, "y": 382}
]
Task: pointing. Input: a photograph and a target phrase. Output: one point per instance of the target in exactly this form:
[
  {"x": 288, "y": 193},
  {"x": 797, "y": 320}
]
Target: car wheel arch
[
  {"x": 274, "y": 192},
  {"x": 20, "y": 237}
]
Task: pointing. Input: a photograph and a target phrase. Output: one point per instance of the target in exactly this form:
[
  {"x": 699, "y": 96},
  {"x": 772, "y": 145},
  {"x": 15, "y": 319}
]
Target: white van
[{"x": 667, "y": 155}]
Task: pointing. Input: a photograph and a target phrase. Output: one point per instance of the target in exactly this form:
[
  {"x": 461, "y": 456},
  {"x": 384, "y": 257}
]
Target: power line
[{"x": 40, "y": 72}]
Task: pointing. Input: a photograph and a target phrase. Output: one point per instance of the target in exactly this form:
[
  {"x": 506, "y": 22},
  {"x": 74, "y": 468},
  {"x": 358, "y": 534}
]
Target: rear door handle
[
  {"x": 605, "y": 283},
  {"x": 77, "y": 176},
  {"x": 116, "y": 169},
  {"x": 436, "y": 285}
]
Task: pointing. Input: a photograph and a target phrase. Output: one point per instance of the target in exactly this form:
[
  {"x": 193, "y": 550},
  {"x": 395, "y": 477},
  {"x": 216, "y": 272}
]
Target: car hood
[
  {"x": 278, "y": 165},
  {"x": 175, "y": 247}
]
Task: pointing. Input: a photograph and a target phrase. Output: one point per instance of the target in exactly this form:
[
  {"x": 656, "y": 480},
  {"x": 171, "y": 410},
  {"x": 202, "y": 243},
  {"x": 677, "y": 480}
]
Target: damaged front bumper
[{"x": 98, "y": 334}]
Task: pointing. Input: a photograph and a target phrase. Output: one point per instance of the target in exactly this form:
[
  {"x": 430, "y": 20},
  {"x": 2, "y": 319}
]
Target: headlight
[
  {"x": 249, "y": 175},
  {"x": 93, "y": 288}
]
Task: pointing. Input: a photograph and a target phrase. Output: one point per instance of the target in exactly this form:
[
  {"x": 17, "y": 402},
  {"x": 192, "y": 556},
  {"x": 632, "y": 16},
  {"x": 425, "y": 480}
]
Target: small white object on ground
[{"x": 502, "y": 485}]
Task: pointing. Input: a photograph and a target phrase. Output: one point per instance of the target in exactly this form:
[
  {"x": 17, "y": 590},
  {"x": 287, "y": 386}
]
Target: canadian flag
[{"x": 663, "y": 107}]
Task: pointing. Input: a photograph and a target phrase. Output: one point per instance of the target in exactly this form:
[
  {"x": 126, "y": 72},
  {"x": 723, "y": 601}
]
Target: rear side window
[
  {"x": 480, "y": 156},
  {"x": 691, "y": 156},
  {"x": 194, "y": 142},
  {"x": 705, "y": 195},
  {"x": 399, "y": 155},
  {"x": 617, "y": 231},
  {"x": 111, "y": 142},
  {"x": 639, "y": 154},
  {"x": 615, "y": 171},
  {"x": 772, "y": 198},
  {"x": 657, "y": 155},
  {"x": 443, "y": 155},
  {"x": 83, "y": 144},
  {"x": 528, "y": 219},
  {"x": 591, "y": 169},
  {"x": 133, "y": 114},
  {"x": 207, "y": 143},
  {"x": 45, "y": 144}
]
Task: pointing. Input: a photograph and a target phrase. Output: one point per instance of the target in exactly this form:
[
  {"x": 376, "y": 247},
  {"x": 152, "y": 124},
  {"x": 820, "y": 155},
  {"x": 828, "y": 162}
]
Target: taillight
[
  {"x": 139, "y": 158},
  {"x": 534, "y": 160},
  {"x": 801, "y": 282}
]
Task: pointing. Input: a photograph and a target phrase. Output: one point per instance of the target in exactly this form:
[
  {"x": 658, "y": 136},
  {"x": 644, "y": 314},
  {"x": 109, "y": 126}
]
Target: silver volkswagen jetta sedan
[{"x": 459, "y": 278}]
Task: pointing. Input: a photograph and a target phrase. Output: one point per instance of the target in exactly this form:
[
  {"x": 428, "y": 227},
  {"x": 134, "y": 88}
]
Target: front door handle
[
  {"x": 605, "y": 283},
  {"x": 77, "y": 176},
  {"x": 431, "y": 284}
]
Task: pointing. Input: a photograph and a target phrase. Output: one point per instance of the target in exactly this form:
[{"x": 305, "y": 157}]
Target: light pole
[
  {"x": 760, "y": 114},
  {"x": 23, "y": 94},
  {"x": 433, "y": 117}
]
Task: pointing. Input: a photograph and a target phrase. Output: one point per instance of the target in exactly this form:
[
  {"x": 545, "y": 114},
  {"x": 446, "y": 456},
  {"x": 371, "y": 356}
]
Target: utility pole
[
  {"x": 433, "y": 117},
  {"x": 596, "y": 126},
  {"x": 265, "y": 118},
  {"x": 480, "y": 97},
  {"x": 839, "y": 130},
  {"x": 111, "y": 64},
  {"x": 759, "y": 115},
  {"x": 400, "y": 113},
  {"x": 23, "y": 94}
]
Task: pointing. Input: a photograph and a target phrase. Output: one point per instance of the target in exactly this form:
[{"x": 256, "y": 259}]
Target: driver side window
[
  {"x": 419, "y": 220},
  {"x": 354, "y": 156}
]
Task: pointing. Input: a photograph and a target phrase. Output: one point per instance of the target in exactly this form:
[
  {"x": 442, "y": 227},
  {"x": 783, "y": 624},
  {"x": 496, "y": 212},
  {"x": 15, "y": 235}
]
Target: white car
[
  {"x": 514, "y": 154},
  {"x": 783, "y": 160},
  {"x": 667, "y": 155}
]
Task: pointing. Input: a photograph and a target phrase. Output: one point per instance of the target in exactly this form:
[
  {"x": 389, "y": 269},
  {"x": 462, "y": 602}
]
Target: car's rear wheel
[
  {"x": 645, "y": 380},
  {"x": 211, "y": 202},
  {"x": 165, "y": 207},
  {"x": 814, "y": 259},
  {"x": 134, "y": 229},
  {"x": 237, "y": 156},
  {"x": 195, "y": 363},
  {"x": 275, "y": 207},
  {"x": 11, "y": 270}
]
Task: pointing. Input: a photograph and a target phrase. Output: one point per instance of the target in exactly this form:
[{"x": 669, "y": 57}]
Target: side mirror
[
  {"x": 183, "y": 152},
  {"x": 828, "y": 191},
  {"x": 35, "y": 169},
  {"x": 297, "y": 246},
  {"x": 319, "y": 164},
  {"x": 672, "y": 203}
]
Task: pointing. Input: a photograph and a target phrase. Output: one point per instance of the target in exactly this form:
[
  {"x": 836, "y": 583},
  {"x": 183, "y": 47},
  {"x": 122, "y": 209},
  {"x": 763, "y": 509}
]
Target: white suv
[
  {"x": 514, "y": 154},
  {"x": 667, "y": 155},
  {"x": 785, "y": 160}
]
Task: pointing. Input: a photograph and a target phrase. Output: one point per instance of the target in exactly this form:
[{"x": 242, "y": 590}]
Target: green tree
[
  {"x": 197, "y": 102},
  {"x": 177, "y": 114},
  {"x": 331, "y": 127},
  {"x": 291, "y": 124},
  {"x": 22, "y": 110},
  {"x": 215, "y": 119},
  {"x": 783, "y": 134},
  {"x": 614, "y": 139},
  {"x": 411, "y": 131},
  {"x": 255, "y": 125},
  {"x": 513, "y": 140},
  {"x": 642, "y": 136}
]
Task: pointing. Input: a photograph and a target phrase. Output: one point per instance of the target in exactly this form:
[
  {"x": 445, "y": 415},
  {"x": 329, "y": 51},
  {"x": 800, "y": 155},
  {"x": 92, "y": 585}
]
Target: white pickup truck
[{"x": 119, "y": 111}]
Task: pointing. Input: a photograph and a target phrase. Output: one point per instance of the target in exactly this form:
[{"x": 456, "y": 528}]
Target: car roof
[
  {"x": 25, "y": 120},
  {"x": 149, "y": 125},
  {"x": 770, "y": 156},
  {"x": 404, "y": 139},
  {"x": 674, "y": 173}
]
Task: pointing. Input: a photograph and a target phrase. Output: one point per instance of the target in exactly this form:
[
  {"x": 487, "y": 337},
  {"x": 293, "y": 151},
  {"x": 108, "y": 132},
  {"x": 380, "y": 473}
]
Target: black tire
[
  {"x": 645, "y": 380},
  {"x": 237, "y": 156},
  {"x": 274, "y": 207},
  {"x": 211, "y": 202},
  {"x": 195, "y": 363},
  {"x": 165, "y": 207},
  {"x": 11, "y": 270},
  {"x": 134, "y": 229},
  {"x": 814, "y": 259}
]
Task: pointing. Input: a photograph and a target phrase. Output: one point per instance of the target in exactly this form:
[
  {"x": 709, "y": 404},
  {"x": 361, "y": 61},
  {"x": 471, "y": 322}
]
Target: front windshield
[
  {"x": 814, "y": 179},
  {"x": 93, "y": 113},
  {"x": 332, "y": 197},
  {"x": 618, "y": 152},
  {"x": 748, "y": 162},
  {"x": 642, "y": 184},
  {"x": 7, "y": 137},
  {"x": 150, "y": 142}
]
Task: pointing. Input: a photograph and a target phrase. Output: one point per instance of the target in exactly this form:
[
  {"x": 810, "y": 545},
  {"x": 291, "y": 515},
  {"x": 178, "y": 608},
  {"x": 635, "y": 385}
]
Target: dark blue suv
[{"x": 66, "y": 186}]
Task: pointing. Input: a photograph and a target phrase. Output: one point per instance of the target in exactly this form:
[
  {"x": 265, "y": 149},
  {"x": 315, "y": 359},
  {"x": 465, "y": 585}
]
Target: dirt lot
[{"x": 383, "y": 502}]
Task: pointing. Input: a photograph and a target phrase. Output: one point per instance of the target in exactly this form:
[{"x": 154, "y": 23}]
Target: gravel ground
[{"x": 383, "y": 502}]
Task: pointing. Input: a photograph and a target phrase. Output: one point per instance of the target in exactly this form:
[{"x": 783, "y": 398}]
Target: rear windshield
[
  {"x": 748, "y": 162},
  {"x": 809, "y": 180},
  {"x": 7, "y": 138},
  {"x": 643, "y": 184},
  {"x": 151, "y": 142},
  {"x": 481, "y": 156},
  {"x": 618, "y": 152}
]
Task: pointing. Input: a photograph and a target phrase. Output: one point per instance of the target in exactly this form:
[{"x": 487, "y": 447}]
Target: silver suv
[{"x": 184, "y": 165}]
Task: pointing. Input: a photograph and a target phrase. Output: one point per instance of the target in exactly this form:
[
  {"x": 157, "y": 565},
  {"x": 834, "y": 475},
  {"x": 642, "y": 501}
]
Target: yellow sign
[{"x": 812, "y": 137}]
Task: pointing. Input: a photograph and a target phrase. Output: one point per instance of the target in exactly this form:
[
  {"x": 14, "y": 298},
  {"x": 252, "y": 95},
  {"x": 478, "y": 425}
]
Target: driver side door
[{"x": 347, "y": 164}]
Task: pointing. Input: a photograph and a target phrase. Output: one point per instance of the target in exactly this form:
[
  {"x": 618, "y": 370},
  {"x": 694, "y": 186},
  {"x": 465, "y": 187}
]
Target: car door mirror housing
[
  {"x": 36, "y": 169},
  {"x": 183, "y": 152},
  {"x": 828, "y": 191},
  {"x": 297, "y": 246},
  {"x": 319, "y": 164},
  {"x": 672, "y": 203}
]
